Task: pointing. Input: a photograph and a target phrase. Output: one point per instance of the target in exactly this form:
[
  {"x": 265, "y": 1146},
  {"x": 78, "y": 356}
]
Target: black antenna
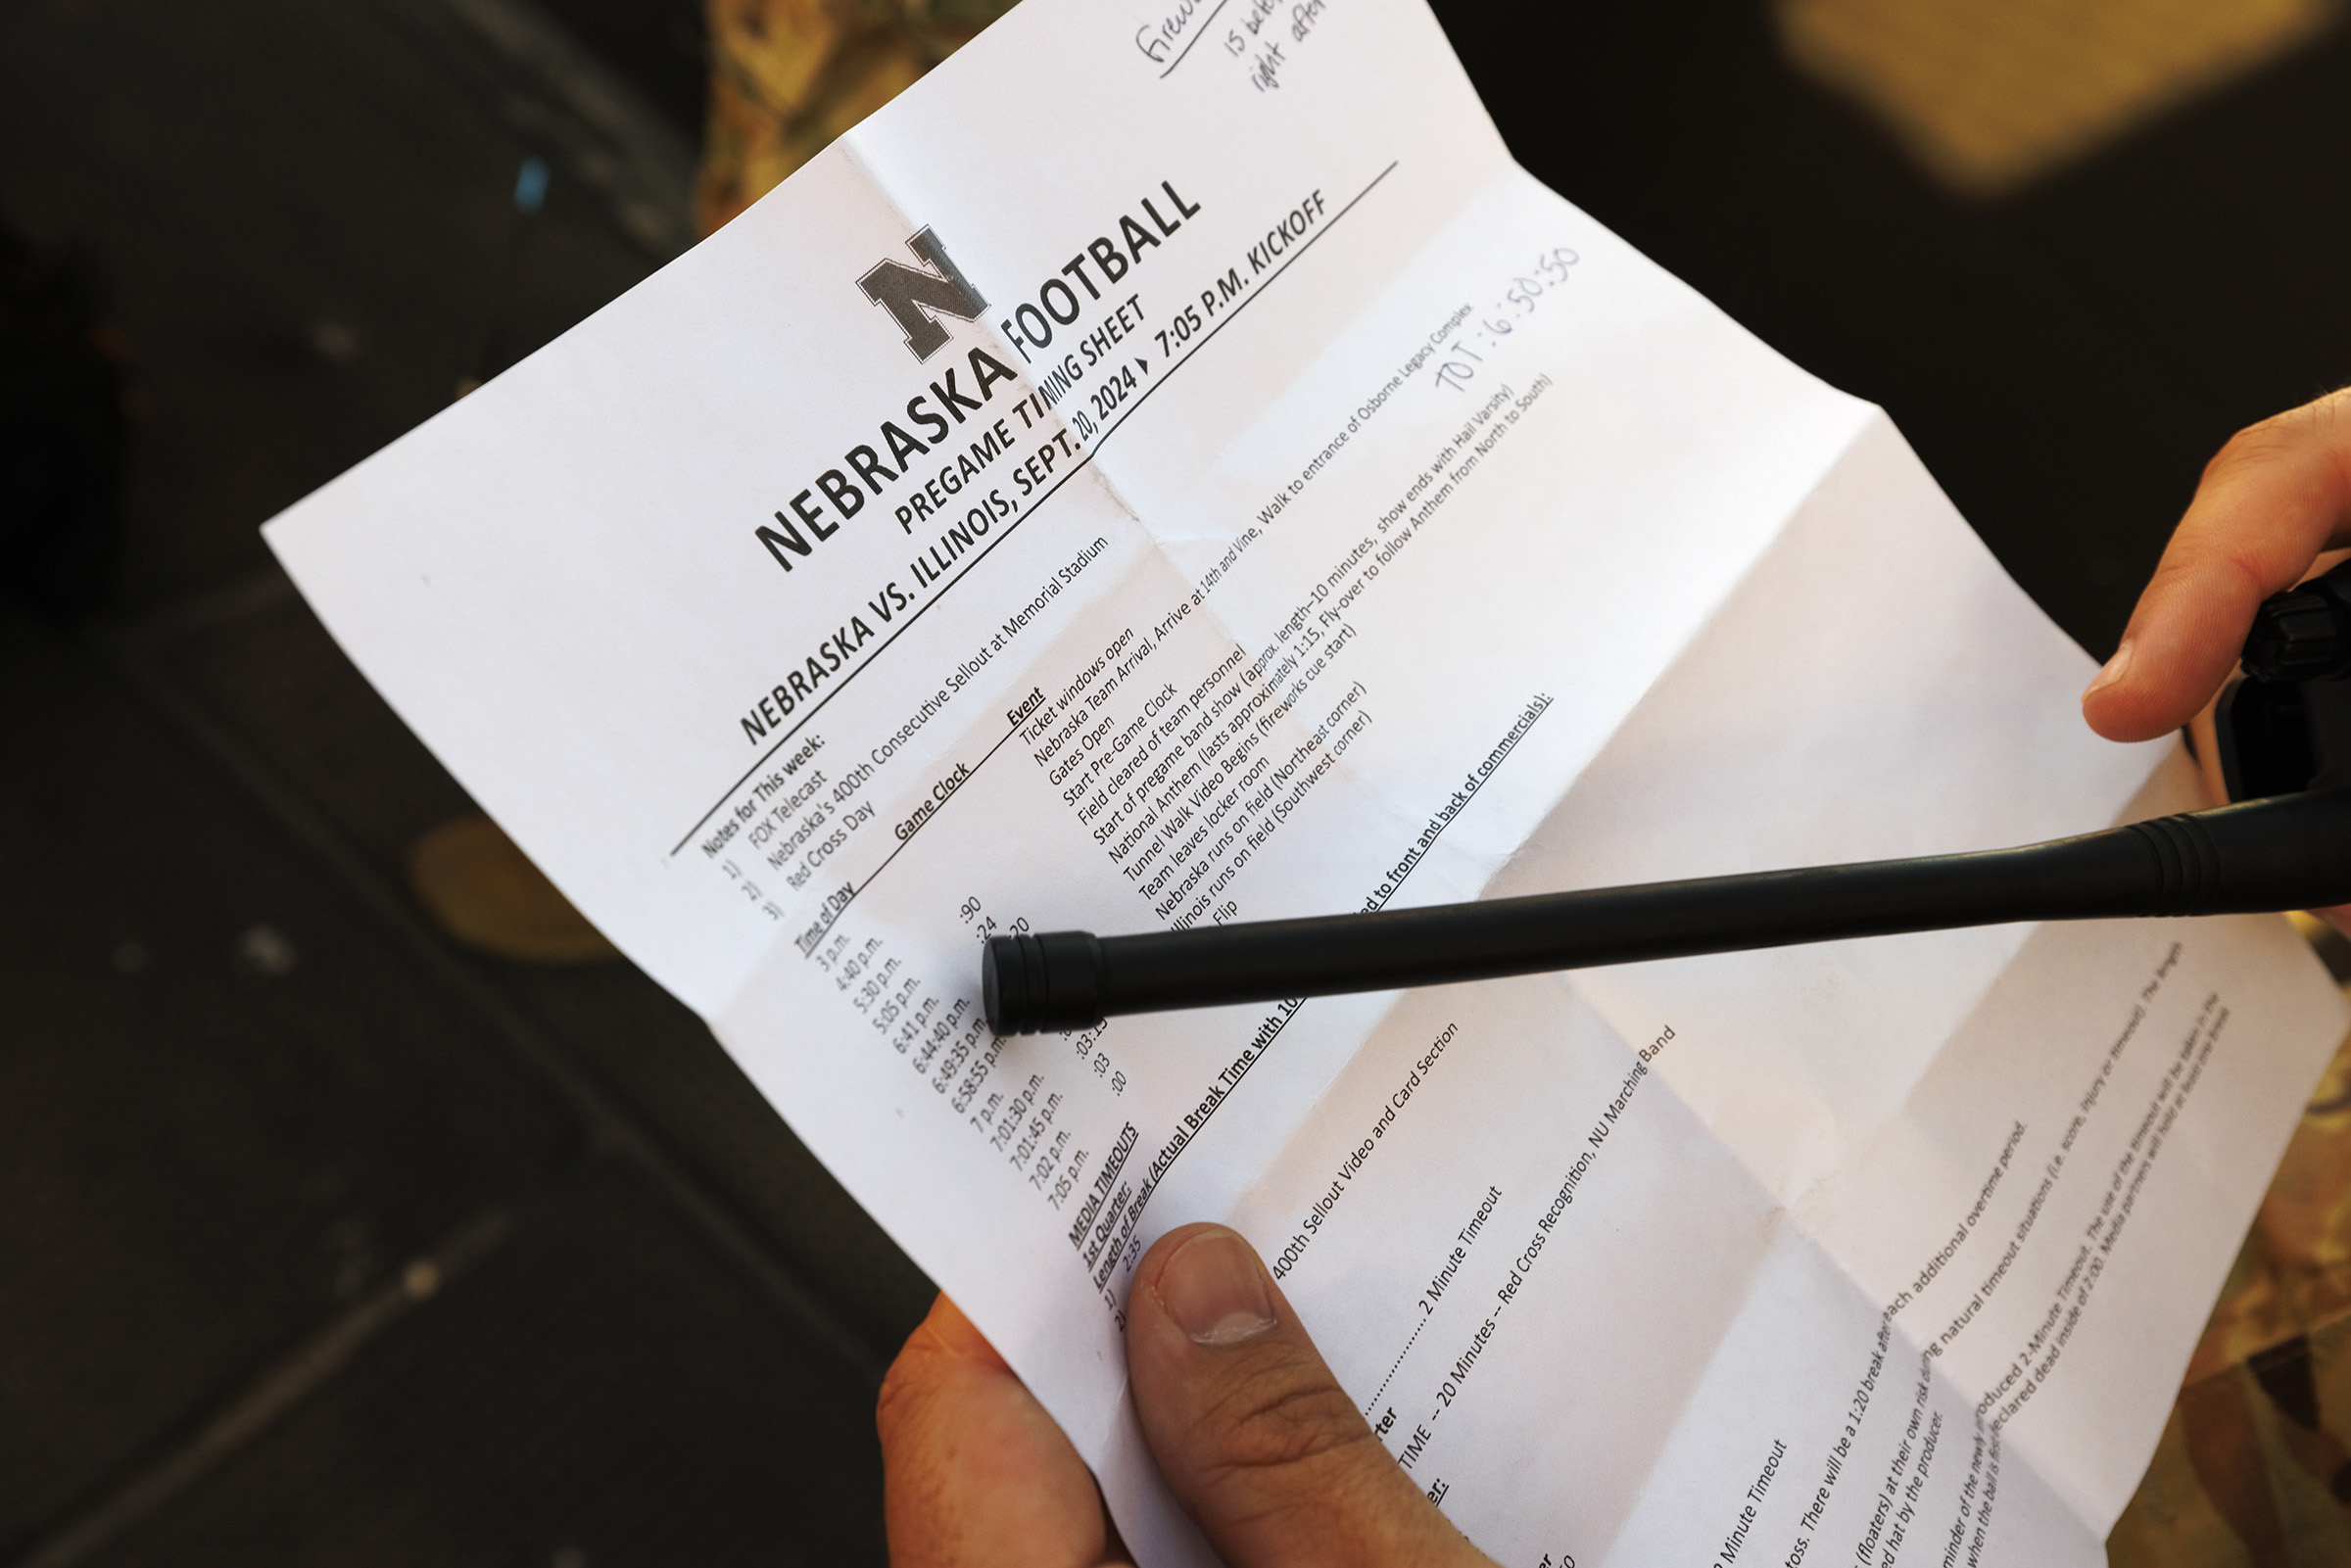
[{"x": 2289, "y": 851}]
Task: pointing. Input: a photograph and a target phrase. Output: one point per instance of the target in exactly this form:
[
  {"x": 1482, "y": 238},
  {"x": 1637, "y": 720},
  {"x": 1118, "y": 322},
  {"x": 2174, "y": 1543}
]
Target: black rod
[{"x": 2286, "y": 852}]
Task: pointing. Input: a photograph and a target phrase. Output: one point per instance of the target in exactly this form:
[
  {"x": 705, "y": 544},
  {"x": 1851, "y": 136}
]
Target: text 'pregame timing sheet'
[{"x": 1170, "y": 467}]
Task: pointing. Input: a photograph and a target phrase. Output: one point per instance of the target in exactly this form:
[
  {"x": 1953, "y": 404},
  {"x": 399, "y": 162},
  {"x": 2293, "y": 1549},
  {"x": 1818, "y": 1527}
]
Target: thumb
[
  {"x": 2276, "y": 499},
  {"x": 1257, "y": 1440}
]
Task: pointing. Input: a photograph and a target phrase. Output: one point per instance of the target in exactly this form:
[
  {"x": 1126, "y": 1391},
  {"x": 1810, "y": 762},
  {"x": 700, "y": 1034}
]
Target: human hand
[
  {"x": 973, "y": 1469},
  {"x": 2271, "y": 505},
  {"x": 1253, "y": 1433},
  {"x": 2275, "y": 501}
]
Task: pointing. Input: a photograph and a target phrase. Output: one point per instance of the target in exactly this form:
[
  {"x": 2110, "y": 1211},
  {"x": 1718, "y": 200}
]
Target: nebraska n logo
[{"x": 917, "y": 297}]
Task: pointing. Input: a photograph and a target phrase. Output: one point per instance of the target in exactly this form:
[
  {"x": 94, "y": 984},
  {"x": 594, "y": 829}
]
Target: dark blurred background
[{"x": 326, "y": 1237}]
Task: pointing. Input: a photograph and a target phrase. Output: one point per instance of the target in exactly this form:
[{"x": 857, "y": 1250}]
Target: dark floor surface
[{"x": 322, "y": 1242}]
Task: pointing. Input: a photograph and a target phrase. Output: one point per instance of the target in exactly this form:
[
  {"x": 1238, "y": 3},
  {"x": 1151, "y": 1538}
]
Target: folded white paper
[{"x": 1174, "y": 467}]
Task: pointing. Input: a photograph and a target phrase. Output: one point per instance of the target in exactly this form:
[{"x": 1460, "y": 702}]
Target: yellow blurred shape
[
  {"x": 1991, "y": 94},
  {"x": 485, "y": 892},
  {"x": 786, "y": 76}
]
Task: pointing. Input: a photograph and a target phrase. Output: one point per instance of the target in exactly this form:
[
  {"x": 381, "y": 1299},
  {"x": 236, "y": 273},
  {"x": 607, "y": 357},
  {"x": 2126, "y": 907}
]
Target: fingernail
[
  {"x": 2112, "y": 673},
  {"x": 1213, "y": 1290}
]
